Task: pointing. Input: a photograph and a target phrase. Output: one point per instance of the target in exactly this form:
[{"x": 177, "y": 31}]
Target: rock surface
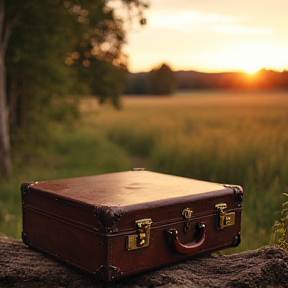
[{"x": 266, "y": 267}]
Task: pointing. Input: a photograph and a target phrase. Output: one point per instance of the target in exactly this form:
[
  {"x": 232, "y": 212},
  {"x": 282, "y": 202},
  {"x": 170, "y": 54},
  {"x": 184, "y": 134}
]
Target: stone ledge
[{"x": 263, "y": 267}]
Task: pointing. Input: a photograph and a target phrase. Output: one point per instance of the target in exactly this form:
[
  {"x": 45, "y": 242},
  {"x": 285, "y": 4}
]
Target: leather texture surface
[{"x": 87, "y": 221}]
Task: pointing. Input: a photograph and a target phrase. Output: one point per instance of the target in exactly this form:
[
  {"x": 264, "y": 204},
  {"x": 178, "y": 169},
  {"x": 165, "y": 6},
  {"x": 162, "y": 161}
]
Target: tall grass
[
  {"x": 233, "y": 137},
  {"x": 239, "y": 138},
  {"x": 73, "y": 151}
]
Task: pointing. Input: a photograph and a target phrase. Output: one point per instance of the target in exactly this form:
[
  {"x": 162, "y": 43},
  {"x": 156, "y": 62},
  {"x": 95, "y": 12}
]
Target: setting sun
[{"x": 251, "y": 69}]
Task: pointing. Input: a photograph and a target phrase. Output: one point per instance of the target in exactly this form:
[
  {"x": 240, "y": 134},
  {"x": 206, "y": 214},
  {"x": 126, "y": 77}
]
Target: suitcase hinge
[
  {"x": 224, "y": 219},
  {"x": 142, "y": 237}
]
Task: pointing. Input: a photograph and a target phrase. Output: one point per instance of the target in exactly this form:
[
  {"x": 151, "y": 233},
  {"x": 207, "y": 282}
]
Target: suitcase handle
[{"x": 189, "y": 247}]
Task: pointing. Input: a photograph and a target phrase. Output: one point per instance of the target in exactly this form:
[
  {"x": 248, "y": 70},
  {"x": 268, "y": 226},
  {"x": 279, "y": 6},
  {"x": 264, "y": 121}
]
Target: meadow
[{"x": 226, "y": 137}]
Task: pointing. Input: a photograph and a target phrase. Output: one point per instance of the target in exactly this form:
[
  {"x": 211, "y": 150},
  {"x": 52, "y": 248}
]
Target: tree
[
  {"x": 5, "y": 32},
  {"x": 162, "y": 80},
  {"x": 56, "y": 48}
]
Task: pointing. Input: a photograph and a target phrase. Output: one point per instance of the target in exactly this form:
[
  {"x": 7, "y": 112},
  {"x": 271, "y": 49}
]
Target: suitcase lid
[
  {"x": 126, "y": 188},
  {"x": 109, "y": 196}
]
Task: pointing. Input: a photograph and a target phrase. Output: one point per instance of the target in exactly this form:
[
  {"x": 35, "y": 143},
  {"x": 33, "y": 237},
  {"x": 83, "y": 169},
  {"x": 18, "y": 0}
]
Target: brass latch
[
  {"x": 142, "y": 237},
  {"x": 187, "y": 215},
  {"x": 224, "y": 219}
]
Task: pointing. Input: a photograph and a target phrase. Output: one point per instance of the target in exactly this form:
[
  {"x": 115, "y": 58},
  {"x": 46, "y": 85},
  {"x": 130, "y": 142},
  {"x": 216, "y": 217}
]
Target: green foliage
[
  {"x": 58, "y": 51},
  {"x": 279, "y": 237},
  {"x": 140, "y": 143},
  {"x": 10, "y": 204},
  {"x": 106, "y": 81}
]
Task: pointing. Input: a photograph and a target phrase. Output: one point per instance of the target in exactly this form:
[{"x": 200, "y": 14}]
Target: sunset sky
[{"x": 211, "y": 36}]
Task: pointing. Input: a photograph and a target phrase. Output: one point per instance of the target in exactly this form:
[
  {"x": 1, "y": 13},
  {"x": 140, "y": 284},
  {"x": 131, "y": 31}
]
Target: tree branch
[
  {"x": 2, "y": 17},
  {"x": 9, "y": 25}
]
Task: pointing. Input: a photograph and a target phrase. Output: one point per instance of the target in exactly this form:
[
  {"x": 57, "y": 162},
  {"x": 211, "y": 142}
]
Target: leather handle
[{"x": 189, "y": 247}]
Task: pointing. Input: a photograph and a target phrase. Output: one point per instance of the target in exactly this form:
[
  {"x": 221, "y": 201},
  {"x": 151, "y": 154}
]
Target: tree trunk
[
  {"x": 264, "y": 267},
  {"x": 5, "y": 153}
]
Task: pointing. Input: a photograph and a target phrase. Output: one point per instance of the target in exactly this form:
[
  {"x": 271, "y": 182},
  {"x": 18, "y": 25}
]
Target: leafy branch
[{"x": 279, "y": 237}]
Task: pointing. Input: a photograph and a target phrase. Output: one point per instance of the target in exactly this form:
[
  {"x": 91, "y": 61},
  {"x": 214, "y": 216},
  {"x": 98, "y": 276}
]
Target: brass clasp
[
  {"x": 224, "y": 219},
  {"x": 142, "y": 237},
  {"x": 187, "y": 215}
]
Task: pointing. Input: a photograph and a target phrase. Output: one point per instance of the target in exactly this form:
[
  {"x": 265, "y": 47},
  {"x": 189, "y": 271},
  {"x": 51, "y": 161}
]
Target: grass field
[{"x": 227, "y": 137}]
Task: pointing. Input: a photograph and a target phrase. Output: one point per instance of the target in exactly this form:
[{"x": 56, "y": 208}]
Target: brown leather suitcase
[{"x": 119, "y": 224}]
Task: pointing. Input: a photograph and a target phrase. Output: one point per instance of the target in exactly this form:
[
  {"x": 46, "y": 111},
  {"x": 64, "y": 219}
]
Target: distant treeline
[
  {"x": 138, "y": 83},
  {"x": 159, "y": 81}
]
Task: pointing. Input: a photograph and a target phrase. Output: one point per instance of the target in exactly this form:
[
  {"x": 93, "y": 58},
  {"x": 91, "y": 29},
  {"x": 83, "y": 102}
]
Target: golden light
[{"x": 252, "y": 69}]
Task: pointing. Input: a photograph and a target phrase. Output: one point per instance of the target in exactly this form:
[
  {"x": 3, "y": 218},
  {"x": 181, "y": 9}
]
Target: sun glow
[{"x": 251, "y": 69}]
